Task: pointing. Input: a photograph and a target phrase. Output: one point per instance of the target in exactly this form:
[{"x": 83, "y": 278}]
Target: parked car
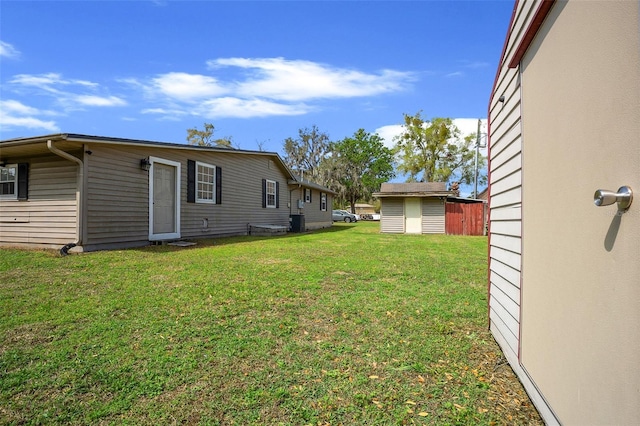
[
  {"x": 343, "y": 216},
  {"x": 354, "y": 214}
]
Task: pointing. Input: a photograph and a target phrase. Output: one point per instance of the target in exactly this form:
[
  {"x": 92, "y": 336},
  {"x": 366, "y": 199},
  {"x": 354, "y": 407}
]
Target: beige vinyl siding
[
  {"x": 48, "y": 217},
  {"x": 314, "y": 218},
  {"x": 297, "y": 194},
  {"x": 241, "y": 196},
  {"x": 505, "y": 177},
  {"x": 392, "y": 215},
  {"x": 506, "y": 194},
  {"x": 118, "y": 194},
  {"x": 433, "y": 216}
]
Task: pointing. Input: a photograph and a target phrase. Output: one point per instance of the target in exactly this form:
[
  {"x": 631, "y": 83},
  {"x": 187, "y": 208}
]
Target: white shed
[{"x": 413, "y": 208}]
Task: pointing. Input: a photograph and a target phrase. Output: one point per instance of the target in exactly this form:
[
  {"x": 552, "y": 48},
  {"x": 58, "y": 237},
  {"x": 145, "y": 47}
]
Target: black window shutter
[
  {"x": 191, "y": 181},
  {"x": 218, "y": 185},
  {"x": 277, "y": 195},
  {"x": 310, "y": 195},
  {"x": 23, "y": 181},
  {"x": 264, "y": 193}
]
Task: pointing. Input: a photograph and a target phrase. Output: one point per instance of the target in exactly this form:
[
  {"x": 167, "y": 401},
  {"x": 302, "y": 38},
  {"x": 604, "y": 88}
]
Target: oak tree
[{"x": 357, "y": 166}]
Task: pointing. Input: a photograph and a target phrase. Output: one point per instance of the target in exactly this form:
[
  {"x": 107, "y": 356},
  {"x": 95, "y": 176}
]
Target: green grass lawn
[{"x": 342, "y": 326}]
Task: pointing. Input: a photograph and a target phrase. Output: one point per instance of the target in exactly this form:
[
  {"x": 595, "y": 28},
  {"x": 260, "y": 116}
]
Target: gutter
[{"x": 79, "y": 193}]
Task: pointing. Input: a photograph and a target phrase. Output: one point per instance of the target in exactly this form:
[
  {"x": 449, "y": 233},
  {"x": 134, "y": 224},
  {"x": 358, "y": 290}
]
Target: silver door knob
[{"x": 604, "y": 197}]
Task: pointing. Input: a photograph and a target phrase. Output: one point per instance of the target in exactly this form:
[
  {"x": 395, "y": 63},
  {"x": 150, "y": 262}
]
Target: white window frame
[
  {"x": 4, "y": 171},
  {"x": 323, "y": 201},
  {"x": 307, "y": 195},
  {"x": 271, "y": 192},
  {"x": 200, "y": 183}
]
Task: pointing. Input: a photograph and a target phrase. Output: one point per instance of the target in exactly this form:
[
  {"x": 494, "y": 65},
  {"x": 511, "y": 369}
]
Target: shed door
[
  {"x": 413, "y": 215},
  {"x": 580, "y": 328},
  {"x": 164, "y": 200}
]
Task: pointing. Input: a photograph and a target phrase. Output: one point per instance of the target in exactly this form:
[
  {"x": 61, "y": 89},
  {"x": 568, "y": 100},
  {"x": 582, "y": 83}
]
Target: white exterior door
[
  {"x": 413, "y": 215},
  {"x": 164, "y": 200}
]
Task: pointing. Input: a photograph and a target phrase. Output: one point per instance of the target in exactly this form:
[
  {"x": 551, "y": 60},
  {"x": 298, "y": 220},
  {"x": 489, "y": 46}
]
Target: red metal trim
[{"x": 532, "y": 30}]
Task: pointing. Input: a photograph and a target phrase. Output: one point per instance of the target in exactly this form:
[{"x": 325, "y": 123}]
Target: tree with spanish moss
[
  {"x": 357, "y": 166},
  {"x": 305, "y": 153}
]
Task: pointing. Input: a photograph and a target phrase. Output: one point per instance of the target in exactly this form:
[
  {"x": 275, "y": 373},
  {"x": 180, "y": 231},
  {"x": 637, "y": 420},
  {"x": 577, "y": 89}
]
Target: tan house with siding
[
  {"x": 93, "y": 193},
  {"x": 564, "y": 257}
]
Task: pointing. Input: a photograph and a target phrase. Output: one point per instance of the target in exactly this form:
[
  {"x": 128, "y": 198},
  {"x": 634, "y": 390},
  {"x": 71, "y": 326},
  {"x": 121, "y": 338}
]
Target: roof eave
[
  {"x": 411, "y": 194},
  {"x": 87, "y": 139},
  {"x": 307, "y": 184}
]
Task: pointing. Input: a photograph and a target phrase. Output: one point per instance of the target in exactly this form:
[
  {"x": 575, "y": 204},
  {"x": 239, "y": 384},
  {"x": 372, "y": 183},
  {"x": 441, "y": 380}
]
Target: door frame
[
  {"x": 413, "y": 224},
  {"x": 177, "y": 166}
]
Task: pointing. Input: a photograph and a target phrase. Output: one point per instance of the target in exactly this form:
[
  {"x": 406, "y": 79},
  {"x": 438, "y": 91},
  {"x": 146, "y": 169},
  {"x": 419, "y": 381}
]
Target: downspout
[{"x": 80, "y": 191}]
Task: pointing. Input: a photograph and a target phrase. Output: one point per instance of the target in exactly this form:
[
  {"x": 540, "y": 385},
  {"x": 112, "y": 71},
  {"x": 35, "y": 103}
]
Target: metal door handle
[{"x": 605, "y": 197}]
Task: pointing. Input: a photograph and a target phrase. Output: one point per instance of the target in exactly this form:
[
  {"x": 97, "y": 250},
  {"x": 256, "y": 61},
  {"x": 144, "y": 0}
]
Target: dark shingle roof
[{"x": 413, "y": 189}]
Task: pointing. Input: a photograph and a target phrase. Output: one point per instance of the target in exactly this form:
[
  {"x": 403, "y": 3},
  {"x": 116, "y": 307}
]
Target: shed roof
[{"x": 413, "y": 189}]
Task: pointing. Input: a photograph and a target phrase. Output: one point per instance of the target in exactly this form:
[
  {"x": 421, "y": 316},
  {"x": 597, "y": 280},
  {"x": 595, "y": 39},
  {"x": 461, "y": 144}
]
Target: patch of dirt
[{"x": 29, "y": 335}]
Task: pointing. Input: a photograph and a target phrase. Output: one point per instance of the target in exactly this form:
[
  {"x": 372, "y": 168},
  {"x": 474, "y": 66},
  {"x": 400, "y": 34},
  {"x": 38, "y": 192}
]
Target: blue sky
[{"x": 258, "y": 71}]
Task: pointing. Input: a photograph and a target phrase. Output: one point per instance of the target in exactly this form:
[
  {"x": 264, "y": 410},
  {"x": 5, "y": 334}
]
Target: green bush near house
[{"x": 341, "y": 326}]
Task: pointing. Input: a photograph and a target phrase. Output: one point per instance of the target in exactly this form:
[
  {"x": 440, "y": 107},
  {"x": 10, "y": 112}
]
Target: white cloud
[
  {"x": 67, "y": 94},
  {"x": 289, "y": 80},
  {"x": 475, "y": 64},
  {"x": 92, "y": 100},
  {"x": 14, "y": 114},
  {"x": 48, "y": 81},
  {"x": 65, "y": 91},
  {"x": 388, "y": 133},
  {"x": 468, "y": 126},
  {"x": 166, "y": 113},
  {"x": 234, "y": 87},
  {"x": 16, "y": 107},
  {"x": 245, "y": 108},
  {"x": 10, "y": 122},
  {"x": 264, "y": 87},
  {"x": 8, "y": 51},
  {"x": 187, "y": 87}
]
